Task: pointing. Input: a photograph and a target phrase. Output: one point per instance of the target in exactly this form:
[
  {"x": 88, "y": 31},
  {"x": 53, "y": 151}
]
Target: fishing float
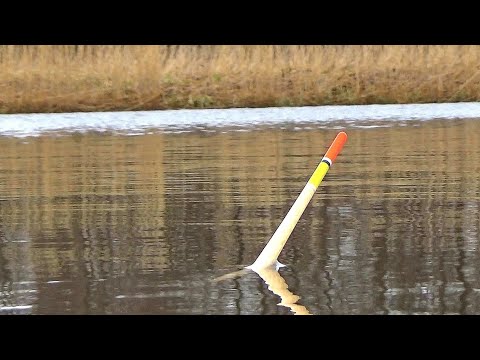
[{"x": 269, "y": 255}]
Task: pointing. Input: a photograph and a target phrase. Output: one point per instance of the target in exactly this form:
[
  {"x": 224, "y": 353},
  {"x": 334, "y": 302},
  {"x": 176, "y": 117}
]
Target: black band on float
[{"x": 327, "y": 162}]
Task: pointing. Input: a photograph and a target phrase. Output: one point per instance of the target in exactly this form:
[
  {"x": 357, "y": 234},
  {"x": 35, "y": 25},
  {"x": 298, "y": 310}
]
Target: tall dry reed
[{"x": 59, "y": 78}]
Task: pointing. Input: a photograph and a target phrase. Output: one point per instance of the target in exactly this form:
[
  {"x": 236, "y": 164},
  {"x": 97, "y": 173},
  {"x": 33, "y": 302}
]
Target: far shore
[{"x": 61, "y": 78}]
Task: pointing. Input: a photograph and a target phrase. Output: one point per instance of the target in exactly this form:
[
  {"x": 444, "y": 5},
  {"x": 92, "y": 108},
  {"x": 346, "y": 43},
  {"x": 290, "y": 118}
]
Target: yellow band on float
[{"x": 319, "y": 174}]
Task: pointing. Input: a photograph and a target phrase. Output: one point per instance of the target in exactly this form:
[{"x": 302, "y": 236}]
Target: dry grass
[{"x": 101, "y": 78}]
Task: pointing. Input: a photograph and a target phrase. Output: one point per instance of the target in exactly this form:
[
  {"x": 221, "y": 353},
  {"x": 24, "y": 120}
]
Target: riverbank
[{"x": 116, "y": 78}]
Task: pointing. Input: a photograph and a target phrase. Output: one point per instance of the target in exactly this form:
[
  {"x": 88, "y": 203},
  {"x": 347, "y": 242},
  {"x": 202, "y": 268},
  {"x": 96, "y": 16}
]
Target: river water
[{"x": 151, "y": 212}]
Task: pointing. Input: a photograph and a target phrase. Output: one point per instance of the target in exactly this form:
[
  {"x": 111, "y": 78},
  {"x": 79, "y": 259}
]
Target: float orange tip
[{"x": 336, "y": 146}]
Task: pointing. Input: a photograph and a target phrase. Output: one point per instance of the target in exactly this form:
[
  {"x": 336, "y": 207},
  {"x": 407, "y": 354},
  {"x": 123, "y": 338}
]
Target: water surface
[{"x": 94, "y": 220}]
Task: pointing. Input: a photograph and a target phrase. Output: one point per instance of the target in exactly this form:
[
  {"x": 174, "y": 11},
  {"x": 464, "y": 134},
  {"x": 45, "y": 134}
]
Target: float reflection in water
[{"x": 276, "y": 284}]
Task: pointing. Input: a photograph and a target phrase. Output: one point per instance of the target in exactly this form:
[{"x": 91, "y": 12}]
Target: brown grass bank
[{"x": 101, "y": 78}]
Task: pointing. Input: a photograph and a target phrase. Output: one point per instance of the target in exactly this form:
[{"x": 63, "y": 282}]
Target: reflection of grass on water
[{"x": 98, "y": 78}]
